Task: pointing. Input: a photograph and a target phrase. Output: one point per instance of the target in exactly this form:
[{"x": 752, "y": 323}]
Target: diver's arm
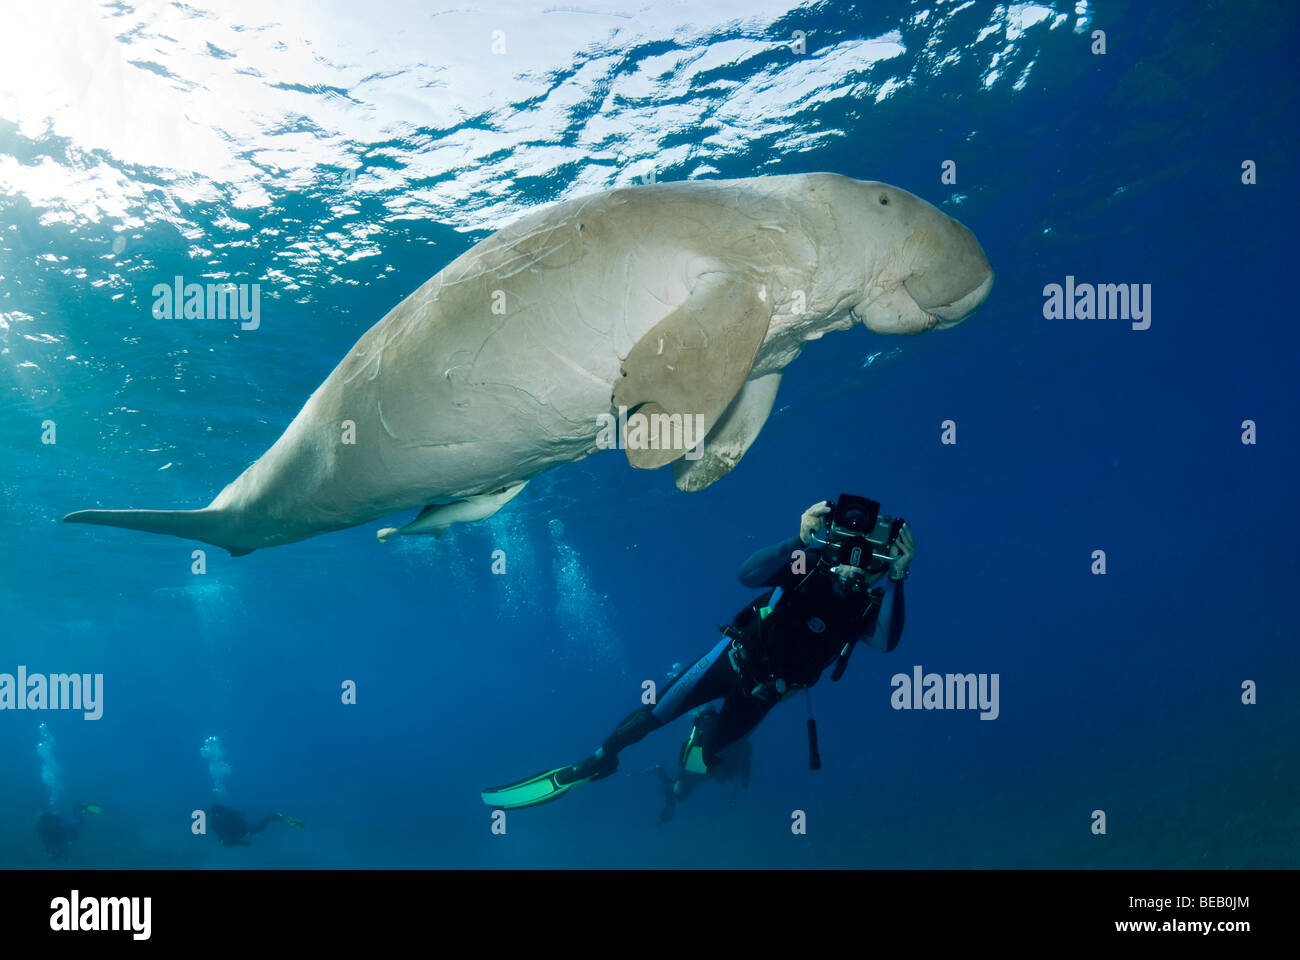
[
  {"x": 760, "y": 568},
  {"x": 889, "y": 624}
]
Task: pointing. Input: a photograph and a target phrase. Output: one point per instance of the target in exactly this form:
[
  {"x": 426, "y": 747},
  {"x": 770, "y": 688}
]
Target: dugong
[{"x": 669, "y": 300}]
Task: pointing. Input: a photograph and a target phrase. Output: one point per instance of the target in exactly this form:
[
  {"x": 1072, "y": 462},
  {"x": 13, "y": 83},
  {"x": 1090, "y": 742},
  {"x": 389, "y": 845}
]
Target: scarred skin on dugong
[{"x": 672, "y": 299}]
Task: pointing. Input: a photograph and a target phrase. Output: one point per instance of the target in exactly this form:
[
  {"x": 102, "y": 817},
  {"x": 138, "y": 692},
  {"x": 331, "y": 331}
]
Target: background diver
[
  {"x": 819, "y": 602},
  {"x": 59, "y": 831},
  {"x": 233, "y": 829}
]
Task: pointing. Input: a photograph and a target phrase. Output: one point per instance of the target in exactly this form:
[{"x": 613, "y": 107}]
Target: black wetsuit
[{"x": 764, "y": 657}]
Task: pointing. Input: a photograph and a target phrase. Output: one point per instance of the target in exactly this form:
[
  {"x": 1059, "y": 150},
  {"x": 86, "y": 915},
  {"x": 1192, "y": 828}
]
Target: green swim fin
[{"x": 539, "y": 788}]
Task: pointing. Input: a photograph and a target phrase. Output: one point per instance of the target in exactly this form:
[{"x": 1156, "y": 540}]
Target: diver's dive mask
[{"x": 859, "y": 536}]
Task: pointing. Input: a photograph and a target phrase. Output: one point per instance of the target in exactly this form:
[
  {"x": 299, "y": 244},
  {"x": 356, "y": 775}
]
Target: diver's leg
[
  {"x": 739, "y": 715},
  {"x": 261, "y": 824},
  {"x": 709, "y": 678},
  {"x": 604, "y": 761}
]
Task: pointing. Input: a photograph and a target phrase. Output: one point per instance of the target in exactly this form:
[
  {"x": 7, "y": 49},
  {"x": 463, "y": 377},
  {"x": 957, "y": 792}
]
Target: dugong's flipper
[
  {"x": 421, "y": 524},
  {"x": 727, "y": 442},
  {"x": 437, "y": 517},
  {"x": 696, "y": 359}
]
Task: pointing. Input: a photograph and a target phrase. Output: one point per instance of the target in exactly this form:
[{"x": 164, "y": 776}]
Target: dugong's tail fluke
[{"x": 207, "y": 525}]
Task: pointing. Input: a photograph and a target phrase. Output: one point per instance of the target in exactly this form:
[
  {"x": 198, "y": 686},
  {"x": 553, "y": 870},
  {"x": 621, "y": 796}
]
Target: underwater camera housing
[{"x": 858, "y": 534}]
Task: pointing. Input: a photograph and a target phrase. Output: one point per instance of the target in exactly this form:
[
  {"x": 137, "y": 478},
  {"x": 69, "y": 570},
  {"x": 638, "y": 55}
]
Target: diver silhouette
[
  {"x": 233, "y": 829},
  {"x": 59, "y": 831}
]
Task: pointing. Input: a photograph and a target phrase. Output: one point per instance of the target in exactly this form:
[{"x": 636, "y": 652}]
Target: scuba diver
[
  {"x": 233, "y": 830},
  {"x": 58, "y": 832},
  {"x": 819, "y": 602},
  {"x": 733, "y": 764}
]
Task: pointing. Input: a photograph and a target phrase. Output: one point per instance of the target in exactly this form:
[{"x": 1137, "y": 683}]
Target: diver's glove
[
  {"x": 903, "y": 551},
  {"x": 812, "y": 520}
]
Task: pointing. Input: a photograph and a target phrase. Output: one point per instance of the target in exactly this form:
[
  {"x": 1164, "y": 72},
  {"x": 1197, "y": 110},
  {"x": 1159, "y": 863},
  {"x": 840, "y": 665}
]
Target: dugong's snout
[
  {"x": 949, "y": 315},
  {"x": 951, "y": 275}
]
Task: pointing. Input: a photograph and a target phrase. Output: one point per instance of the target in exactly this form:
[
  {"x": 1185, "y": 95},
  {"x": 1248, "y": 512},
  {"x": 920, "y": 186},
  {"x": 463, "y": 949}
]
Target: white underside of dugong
[{"x": 678, "y": 299}]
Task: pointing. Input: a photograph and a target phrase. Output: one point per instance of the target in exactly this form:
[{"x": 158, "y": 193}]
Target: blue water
[{"x": 340, "y": 157}]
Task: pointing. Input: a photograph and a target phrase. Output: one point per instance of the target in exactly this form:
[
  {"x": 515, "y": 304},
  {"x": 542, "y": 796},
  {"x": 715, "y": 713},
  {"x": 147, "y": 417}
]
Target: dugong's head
[{"x": 924, "y": 270}]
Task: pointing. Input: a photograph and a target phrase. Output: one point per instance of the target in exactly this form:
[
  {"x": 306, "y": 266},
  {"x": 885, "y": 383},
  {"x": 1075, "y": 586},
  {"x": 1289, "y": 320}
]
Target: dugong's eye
[{"x": 884, "y": 200}]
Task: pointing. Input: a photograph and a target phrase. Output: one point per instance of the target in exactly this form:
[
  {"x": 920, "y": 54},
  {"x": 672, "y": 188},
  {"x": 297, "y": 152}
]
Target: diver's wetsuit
[{"x": 763, "y": 657}]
